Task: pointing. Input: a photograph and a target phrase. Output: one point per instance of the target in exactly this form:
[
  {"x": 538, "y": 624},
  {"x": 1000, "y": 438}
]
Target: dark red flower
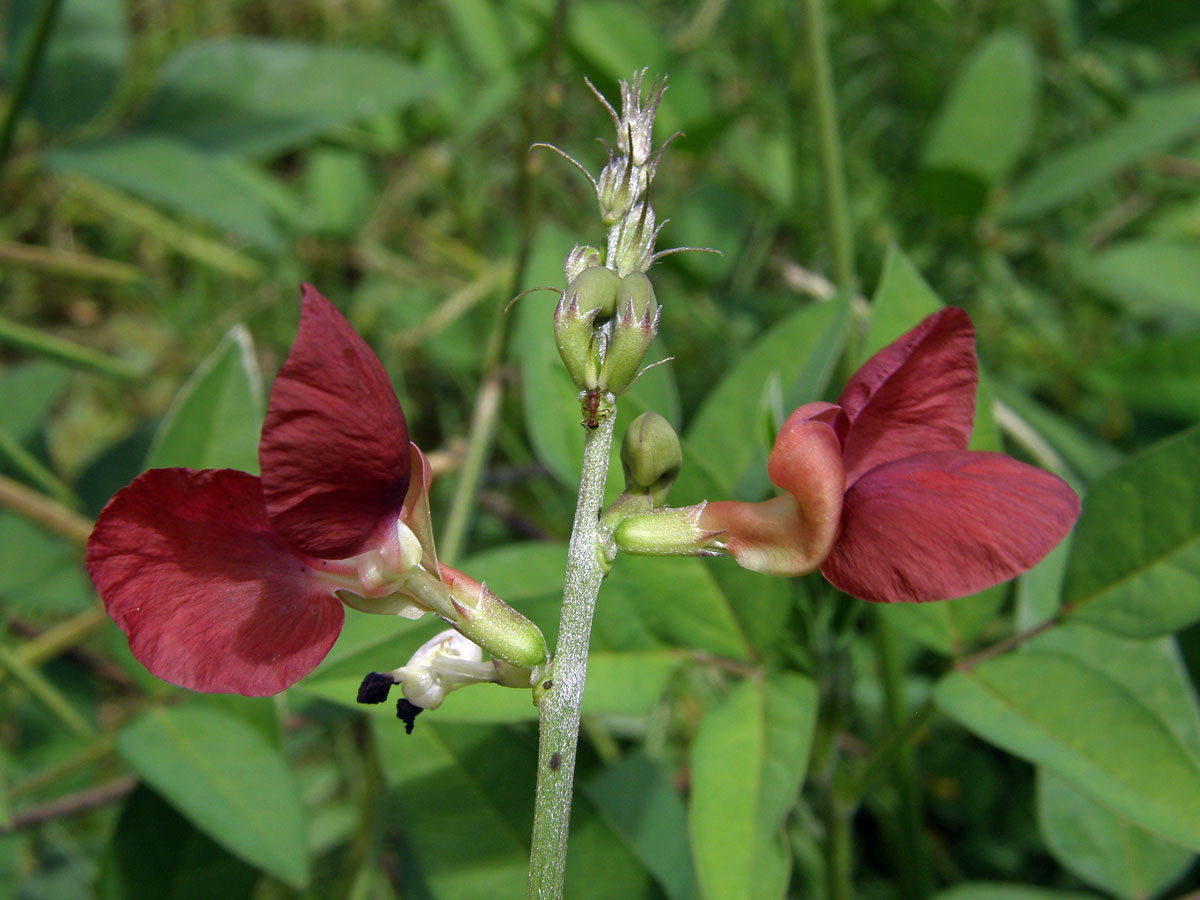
[
  {"x": 883, "y": 495},
  {"x": 224, "y": 581}
]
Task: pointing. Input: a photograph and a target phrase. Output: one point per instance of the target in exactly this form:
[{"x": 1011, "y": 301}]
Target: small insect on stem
[{"x": 597, "y": 406}]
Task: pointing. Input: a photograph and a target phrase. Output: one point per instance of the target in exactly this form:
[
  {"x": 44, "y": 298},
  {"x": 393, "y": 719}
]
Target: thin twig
[
  {"x": 49, "y": 514},
  {"x": 72, "y": 804},
  {"x": 1015, "y": 640}
]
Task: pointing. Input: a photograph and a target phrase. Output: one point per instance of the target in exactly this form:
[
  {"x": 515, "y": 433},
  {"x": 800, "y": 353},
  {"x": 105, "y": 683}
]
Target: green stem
[
  {"x": 839, "y": 884},
  {"x": 37, "y": 684},
  {"x": 27, "y": 68},
  {"x": 35, "y": 471},
  {"x": 911, "y": 857},
  {"x": 30, "y": 339},
  {"x": 559, "y": 705},
  {"x": 829, "y": 146}
]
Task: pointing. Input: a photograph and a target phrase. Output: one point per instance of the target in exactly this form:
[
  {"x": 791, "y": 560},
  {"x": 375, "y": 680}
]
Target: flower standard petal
[
  {"x": 334, "y": 452},
  {"x": 915, "y": 395},
  {"x": 210, "y": 597},
  {"x": 946, "y": 524}
]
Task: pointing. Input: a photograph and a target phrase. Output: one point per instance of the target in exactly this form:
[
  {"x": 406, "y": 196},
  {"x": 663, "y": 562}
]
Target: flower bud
[
  {"x": 634, "y": 328},
  {"x": 590, "y": 295},
  {"x": 581, "y": 257},
  {"x": 650, "y": 456},
  {"x": 667, "y": 532},
  {"x": 618, "y": 189},
  {"x": 493, "y": 624},
  {"x": 631, "y": 244}
]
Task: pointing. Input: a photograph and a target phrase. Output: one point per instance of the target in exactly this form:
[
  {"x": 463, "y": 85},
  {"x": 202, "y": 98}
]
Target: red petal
[
  {"x": 791, "y": 534},
  {"x": 947, "y": 524},
  {"x": 209, "y": 596},
  {"x": 416, "y": 510},
  {"x": 916, "y": 395},
  {"x": 334, "y": 452}
]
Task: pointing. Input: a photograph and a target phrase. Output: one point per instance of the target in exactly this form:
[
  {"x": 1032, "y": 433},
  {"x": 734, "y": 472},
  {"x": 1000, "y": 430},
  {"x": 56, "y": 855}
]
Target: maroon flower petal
[
  {"x": 791, "y": 534},
  {"x": 209, "y": 596},
  {"x": 946, "y": 524},
  {"x": 416, "y": 510},
  {"x": 334, "y": 451},
  {"x": 915, "y": 395}
]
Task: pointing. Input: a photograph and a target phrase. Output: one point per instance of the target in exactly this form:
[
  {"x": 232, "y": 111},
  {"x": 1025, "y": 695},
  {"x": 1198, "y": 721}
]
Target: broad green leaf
[
  {"x": 796, "y": 355},
  {"x": 259, "y": 97},
  {"x": 215, "y": 420},
  {"x": 227, "y": 779},
  {"x": 712, "y": 216},
  {"x": 171, "y": 173},
  {"x": 340, "y": 191},
  {"x": 947, "y": 627},
  {"x": 1161, "y": 374},
  {"x": 40, "y": 572},
  {"x": 156, "y": 854},
  {"x": 1039, "y": 591},
  {"x": 1148, "y": 276},
  {"x": 1089, "y": 728},
  {"x": 637, "y": 798},
  {"x": 482, "y": 36},
  {"x": 1101, "y": 847},
  {"x": 902, "y": 299},
  {"x": 1156, "y": 122},
  {"x": 29, "y": 390},
  {"x": 463, "y": 796},
  {"x": 984, "y": 124},
  {"x": 616, "y": 37},
  {"x": 748, "y": 761},
  {"x": 680, "y": 602},
  {"x": 983, "y": 890},
  {"x": 82, "y": 63},
  {"x": 1135, "y": 559},
  {"x": 1160, "y": 23}
]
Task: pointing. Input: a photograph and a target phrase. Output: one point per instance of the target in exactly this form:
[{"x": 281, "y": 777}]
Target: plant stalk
[
  {"x": 559, "y": 704},
  {"x": 829, "y": 146},
  {"x": 27, "y": 68}
]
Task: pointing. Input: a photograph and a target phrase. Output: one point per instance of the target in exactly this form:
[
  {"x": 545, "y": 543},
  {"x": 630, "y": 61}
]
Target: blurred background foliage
[{"x": 181, "y": 167}]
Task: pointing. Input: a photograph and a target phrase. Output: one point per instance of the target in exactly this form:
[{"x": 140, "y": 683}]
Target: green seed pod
[
  {"x": 634, "y": 328},
  {"x": 650, "y": 456}
]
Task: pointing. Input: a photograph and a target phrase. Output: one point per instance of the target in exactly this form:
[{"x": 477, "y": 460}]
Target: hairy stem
[{"x": 558, "y": 706}]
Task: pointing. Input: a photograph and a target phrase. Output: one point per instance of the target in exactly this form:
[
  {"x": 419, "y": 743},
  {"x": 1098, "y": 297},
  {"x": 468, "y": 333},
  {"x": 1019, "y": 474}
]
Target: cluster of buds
[{"x": 608, "y": 315}]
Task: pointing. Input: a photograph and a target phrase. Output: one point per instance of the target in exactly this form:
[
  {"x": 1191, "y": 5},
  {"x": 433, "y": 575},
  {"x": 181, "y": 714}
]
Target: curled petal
[
  {"x": 334, "y": 453},
  {"x": 916, "y": 395},
  {"x": 946, "y": 524},
  {"x": 209, "y": 596},
  {"x": 793, "y": 533},
  {"x": 416, "y": 509}
]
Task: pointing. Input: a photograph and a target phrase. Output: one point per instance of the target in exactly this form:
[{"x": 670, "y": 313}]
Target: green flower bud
[
  {"x": 596, "y": 287},
  {"x": 667, "y": 532},
  {"x": 650, "y": 456},
  {"x": 574, "y": 333},
  {"x": 493, "y": 624},
  {"x": 581, "y": 257},
  {"x": 634, "y": 328}
]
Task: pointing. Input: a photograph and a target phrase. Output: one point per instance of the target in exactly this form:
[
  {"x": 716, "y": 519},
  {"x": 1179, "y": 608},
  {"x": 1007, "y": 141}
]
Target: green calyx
[
  {"x": 590, "y": 297},
  {"x": 650, "y": 456},
  {"x": 633, "y": 330}
]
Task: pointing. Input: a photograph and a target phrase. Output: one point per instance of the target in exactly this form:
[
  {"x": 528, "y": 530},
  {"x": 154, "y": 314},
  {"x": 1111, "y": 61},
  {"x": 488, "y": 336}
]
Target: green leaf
[
  {"x": 82, "y": 63},
  {"x": 156, "y": 854},
  {"x": 171, "y": 173},
  {"x": 796, "y": 356},
  {"x": 40, "y": 572},
  {"x": 1160, "y": 23},
  {"x": 1156, "y": 123},
  {"x": 617, "y": 38},
  {"x": 984, "y": 124},
  {"x": 1101, "y": 847},
  {"x": 1160, "y": 375},
  {"x": 1080, "y": 722},
  {"x": 1135, "y": 559},
  {"x": 29, "y": 391},
  {"x": 259, "y": 97},
  {"x": 340, "y": 191},
  {"x": 215, "y": 420},
  {"x": 637, "y": 798},
  {"x": 227, "y": 779},
  {"x": 482, "y": 36},
  {"x": 996, "y": 891},
  {"x": 948, "y": 627},
  {"x": 902, "y": 299},
  {"x": 748, "y": 761},
  {"x": 1148, "y": 276}
]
